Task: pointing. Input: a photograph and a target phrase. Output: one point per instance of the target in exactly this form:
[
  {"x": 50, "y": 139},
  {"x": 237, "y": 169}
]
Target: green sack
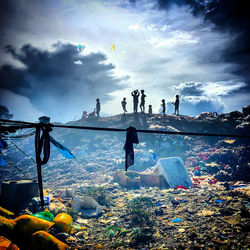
[{"x": 46, "y": 215}]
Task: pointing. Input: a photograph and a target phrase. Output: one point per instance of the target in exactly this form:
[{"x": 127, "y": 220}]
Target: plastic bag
[
  {"x": 46, "y": 215},
  {"x": 63, "y": 150}
]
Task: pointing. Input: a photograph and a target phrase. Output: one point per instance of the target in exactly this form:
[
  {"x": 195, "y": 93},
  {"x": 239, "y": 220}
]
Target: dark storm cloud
[
  {"x": 195, "y": 105},
  {"x": 190, "y": 89},
  {"x": 50, "y": 79},
  {"x": 228, "y": 16},
  {"x": 197, "y": 97}
]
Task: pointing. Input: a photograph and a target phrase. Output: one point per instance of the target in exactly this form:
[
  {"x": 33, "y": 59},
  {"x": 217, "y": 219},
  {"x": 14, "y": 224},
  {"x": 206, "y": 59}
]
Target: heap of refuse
[
  {"x": 209, "y": 215},
  {"x": 194, "y": 190}
]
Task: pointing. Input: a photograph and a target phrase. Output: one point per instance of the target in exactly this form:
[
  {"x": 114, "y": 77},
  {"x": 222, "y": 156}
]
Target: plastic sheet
[{"x": 63, "y": 150}]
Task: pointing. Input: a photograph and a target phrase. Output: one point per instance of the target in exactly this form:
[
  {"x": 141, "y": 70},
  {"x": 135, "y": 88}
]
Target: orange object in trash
[
  {"x": 6, "y": 244},
  {"x": 6, "y": 213},
  {"x": 42, "y": 240},
  {"x": 27, "y": 224},
  {"x": 64, "y": 222},
  {"x": 6, "y": 224}
]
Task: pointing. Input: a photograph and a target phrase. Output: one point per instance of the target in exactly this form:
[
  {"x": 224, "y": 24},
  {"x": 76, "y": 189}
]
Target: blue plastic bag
[
  {"x": 2, "y": 161},
  {"x": 177, "y": 220},
  {"x": 219, "y": 201},
  {"x": 63, "y": 150},
  {"x": 197, "y": 173}
]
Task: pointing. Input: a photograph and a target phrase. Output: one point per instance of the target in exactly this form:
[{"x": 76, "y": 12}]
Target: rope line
[{"x": 28, "y": 124}]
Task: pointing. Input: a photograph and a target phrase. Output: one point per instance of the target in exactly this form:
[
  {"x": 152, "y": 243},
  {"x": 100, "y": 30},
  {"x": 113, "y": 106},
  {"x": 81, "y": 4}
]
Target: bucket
[{"x": 16, "y": 195}]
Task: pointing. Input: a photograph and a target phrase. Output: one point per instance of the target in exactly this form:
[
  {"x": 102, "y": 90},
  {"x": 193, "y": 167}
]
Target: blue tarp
[{"x": 63, "y": 150}]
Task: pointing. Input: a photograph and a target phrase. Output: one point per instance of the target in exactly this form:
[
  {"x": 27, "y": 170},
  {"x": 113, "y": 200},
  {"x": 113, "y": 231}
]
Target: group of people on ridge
[{"x": 135, "y": 94}]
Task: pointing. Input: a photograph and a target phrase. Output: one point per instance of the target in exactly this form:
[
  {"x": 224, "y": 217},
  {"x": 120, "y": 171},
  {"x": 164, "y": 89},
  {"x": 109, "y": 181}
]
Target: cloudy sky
[{"x": 197, "y": 49}]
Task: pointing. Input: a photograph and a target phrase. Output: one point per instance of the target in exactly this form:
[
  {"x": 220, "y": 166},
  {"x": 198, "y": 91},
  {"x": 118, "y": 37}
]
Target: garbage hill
[
  {"x": 95, "y": 204},
  {"x": 100, "y": 153}
]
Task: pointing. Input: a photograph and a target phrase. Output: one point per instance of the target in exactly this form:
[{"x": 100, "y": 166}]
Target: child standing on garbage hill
[
  {"x": 163, "y": 106},
  {"x": 135, "y": 95},
  {"x": 98, "y": 107},
  {"x": 150, "y": 111},
  {"x": 176, "y": 105},
  {"x": 142, "y": 104},
  {"x": 124, "y": 103}
]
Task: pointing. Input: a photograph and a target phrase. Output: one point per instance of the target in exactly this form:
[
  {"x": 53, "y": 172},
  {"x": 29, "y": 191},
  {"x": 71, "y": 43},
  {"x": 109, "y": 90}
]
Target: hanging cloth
[
  {"x": 62, "y": 149},
  {"x": 42, "y": 143},
  {"x": 131, "y": 137}
]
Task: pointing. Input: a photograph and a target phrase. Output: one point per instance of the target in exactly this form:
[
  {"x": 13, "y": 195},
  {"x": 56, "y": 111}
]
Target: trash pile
[
  {"x": 206, "y": 216},
  {"x": 182, "y": 192}
]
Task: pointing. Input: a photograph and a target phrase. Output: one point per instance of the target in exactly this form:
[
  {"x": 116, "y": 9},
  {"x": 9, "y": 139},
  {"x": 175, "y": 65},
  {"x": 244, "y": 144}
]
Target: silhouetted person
[
  {"x": 98, "y": 107},
  {"x": 150, "y": 111},
  {"x": 124, "y": 103},
  {"x": 142, "y": 104},
  {"x": 92, "y": 114},
  {"x": 84, "y": 115},
  {"x": 163, "y": 107},
  {"x": 176, "y": 105},
  {"x": 135, "y": 95}
]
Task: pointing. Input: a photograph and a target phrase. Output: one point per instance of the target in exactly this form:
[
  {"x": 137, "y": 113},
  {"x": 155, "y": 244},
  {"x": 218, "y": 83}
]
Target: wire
[
  {"x": 11, "y": 164},
  {"x": 151, "y": 131},
  {"x": 16, "y": 122},
  {"x": 22, "y": 151},
  {"x": 18, "y": 136},
  {"x": 28, "y": 124}
]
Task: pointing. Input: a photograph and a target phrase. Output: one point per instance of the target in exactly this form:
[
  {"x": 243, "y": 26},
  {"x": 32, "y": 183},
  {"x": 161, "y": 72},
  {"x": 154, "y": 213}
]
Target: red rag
[
  {"x": 180, "y": 186},
  {"x": 203, "y": 156}
]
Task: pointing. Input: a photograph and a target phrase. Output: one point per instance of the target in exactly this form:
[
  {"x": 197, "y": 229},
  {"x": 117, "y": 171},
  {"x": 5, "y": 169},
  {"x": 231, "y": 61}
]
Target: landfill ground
[
  {"x": 213, "y": 214},
  {"x": 206, "y": 222}
]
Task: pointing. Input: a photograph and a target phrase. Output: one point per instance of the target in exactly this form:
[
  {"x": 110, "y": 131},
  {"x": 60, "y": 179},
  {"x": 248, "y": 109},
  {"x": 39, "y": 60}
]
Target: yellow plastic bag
[
  {"x": 6, "y": 244},
  {"x": 42, "y": 240},
  {"x": 6, "y": 213},
  {"x": 27, "y": 224},
  {"x": 64, "y": 222},
  {"x": 6, "y": 225}
]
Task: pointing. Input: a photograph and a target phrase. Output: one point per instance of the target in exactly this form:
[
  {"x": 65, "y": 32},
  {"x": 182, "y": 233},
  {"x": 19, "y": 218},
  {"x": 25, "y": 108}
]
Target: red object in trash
[
  {"x": 198, "y": 168},
  {"x": 225, "y": 166},
  {"x": 196, "y": 180},
  {"x": 180, "y": 186},
  {"x": 212, "y": 181},
  {"x": 202, "y": 156},
  {"x": 195, "y": 185},
  {"x": 213, "y": 150}
]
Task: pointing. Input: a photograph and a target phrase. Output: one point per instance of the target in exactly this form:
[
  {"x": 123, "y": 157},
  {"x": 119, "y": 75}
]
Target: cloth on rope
[
  {"x": 42, "y": 143},
  {"x": 3, "y": 144},
  {"x": 62, "y": 149},
  {"x": 131, "y": 137}
]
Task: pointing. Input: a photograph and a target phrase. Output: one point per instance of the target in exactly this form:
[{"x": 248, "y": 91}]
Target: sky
[{"x": 56, "y": 57}]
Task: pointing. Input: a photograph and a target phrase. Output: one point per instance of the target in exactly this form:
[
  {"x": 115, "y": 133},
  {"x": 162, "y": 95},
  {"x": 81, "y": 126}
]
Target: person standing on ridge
[
  {"x": 163, "y": 107},
  {"x": 98, "y": 107},
  {"x": 142, "y": 104},
  {"x": 150, "y": 111},
  {"x": 124, "y": 103},
  {"x": 176, "y": 105},
  {"x": 135, "y": 95}
]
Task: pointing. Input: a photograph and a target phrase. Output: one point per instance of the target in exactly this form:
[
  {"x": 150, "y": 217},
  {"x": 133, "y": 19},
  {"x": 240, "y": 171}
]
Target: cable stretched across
[
  {"x": 28, "y": 124},
  {"x": 152, "y": 131}
]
